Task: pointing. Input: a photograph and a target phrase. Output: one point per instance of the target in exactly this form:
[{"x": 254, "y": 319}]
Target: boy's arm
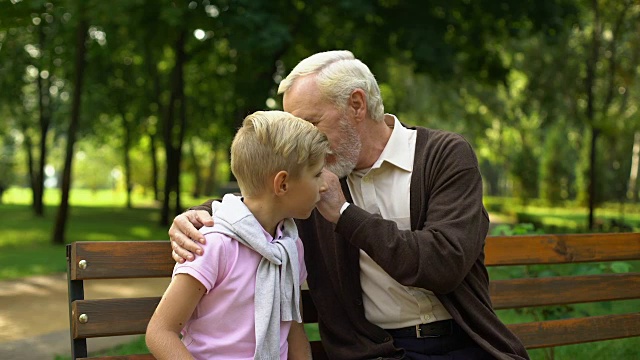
[
  {"x": 299, "y": 348},
  {"x": 173, "y": 311}
]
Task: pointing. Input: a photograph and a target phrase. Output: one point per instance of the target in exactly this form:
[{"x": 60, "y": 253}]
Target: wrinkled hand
[
  {"x": 185, "y": 236},
  {"x": 332, "y": 199}
]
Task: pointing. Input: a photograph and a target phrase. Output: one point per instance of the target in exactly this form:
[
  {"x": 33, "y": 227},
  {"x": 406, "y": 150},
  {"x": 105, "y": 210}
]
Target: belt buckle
[{"x": 419, "y": 333}]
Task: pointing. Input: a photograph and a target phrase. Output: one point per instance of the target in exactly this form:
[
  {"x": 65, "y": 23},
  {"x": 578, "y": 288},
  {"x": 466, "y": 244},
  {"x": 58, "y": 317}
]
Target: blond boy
[{"x": 241, "y": 300}]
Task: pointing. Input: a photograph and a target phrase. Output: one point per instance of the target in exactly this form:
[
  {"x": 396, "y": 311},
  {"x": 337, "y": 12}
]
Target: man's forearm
[{"x": 436, "y": 258}]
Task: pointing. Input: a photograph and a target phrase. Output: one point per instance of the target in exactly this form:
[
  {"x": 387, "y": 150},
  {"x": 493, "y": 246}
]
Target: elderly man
[{"x": 394, "y": 250}]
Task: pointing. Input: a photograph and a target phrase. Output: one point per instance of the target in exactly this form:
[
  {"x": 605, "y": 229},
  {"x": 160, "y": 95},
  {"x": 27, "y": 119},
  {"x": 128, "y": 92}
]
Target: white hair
[{"x": 338, "y": 74}]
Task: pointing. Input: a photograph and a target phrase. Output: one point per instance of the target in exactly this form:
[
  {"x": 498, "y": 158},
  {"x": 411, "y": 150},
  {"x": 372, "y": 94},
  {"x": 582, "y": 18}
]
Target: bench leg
[{"x": 76, "y": 292}]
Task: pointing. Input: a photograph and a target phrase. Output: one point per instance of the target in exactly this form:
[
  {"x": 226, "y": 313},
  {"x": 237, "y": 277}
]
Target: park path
[{"x": 34, "y": 315}]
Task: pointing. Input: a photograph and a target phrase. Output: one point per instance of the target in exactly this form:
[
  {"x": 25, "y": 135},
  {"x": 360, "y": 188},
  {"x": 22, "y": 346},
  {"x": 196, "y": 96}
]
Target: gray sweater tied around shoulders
[{"x": 277, "y": 292}]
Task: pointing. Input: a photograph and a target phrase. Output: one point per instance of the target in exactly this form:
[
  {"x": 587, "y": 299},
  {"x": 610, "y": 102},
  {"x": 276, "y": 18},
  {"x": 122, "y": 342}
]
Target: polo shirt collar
[{"x": 398, "y": 149}]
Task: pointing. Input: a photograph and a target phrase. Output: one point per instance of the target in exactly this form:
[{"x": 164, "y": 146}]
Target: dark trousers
[{"x": 454, "y": 346}]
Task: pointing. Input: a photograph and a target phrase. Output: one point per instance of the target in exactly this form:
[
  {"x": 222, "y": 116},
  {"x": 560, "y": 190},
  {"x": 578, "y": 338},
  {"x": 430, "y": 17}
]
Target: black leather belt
[{"x": 434, "y": 329}]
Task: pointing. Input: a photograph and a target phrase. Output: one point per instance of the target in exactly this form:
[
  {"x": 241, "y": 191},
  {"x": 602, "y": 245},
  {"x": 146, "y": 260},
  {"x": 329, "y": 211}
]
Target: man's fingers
[
  {"x": 177, "y": 258},
  {"x": 185, "y": 237},
  {"x": 180, "y": 252},
  {"x": 187, "y": 224},
  {"x": 203, "y": 217},
  {"x": 197, "y": 217},
  {"x": 195, "y": 236},
  {"x": 185, "y": 243},
  {"x": 191, "y": 221}
]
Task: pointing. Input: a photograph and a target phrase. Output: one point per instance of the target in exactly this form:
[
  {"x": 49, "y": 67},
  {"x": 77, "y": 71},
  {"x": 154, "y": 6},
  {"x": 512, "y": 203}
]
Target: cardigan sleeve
[
  {"x": 440, "y": 252},
  {"x": 204, "y": 206}
]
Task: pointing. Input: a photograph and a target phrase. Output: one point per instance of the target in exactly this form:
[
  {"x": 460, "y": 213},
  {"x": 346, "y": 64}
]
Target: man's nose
[{"x": 323, "y": 185}]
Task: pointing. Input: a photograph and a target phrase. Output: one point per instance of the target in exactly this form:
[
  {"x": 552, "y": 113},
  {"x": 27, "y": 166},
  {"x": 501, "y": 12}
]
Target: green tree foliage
[
  {"x": 34, "y": 45},
  {"x": 167, "y": 83},
  {"x": 556, "y": 173}
]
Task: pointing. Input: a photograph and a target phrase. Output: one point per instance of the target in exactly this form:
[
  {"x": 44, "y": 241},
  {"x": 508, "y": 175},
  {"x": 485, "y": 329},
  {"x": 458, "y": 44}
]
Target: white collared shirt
[{"x": 384, "y": 189}]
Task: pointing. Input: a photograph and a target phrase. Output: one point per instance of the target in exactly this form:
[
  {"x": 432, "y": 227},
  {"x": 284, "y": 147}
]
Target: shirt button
[{"x": 358, "y": 302}]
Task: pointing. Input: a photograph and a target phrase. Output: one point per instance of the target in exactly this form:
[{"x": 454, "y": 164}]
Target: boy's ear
[{"x": 281, "y": 183}]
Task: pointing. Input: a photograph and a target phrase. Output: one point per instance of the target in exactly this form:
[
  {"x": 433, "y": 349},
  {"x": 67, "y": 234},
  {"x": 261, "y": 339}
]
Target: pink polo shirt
[{"x": 223, "y": 325}]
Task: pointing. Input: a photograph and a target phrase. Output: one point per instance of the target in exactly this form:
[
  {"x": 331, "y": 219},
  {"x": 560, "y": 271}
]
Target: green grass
[
  {"x": 26, "y": 243},
  {"x": 136, "y": 346},
  {"x": 567, "y": 217},
  {"x": 312, "y": 331},
  {"x": 86, "y": 197},
  {"x": 26, "y": 247}
]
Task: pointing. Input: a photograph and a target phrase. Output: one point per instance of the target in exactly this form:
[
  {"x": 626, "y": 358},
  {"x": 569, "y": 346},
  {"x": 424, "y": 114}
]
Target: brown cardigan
[{"x": 443, "y": 252}]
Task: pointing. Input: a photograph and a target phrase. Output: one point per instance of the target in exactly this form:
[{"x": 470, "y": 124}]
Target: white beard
[{"x": 347, "y": 151}]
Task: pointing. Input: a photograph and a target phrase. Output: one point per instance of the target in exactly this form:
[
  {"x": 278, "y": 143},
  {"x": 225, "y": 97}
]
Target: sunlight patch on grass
[
  {"x": 143, "y": 232},
  {"x": 86, "y": 197},
  {"x": 99, "y": 237},
  {"x": 559, "y": 222},
  {"x": 32, "y": 260},
  {"x": 26, "y": 248}
]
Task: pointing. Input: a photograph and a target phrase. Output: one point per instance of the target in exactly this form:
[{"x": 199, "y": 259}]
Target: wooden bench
[{"x": 146, "y": 259}]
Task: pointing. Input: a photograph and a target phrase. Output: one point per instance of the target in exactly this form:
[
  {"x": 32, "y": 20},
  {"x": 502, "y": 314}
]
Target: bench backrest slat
[
  {"x": 121, "y": 260},
  {"x": 113, "y": 317},
  {"x": 561, "y": 249},
  {"x": 550, "y": 333},
  {"x": 517, "y": 293}
]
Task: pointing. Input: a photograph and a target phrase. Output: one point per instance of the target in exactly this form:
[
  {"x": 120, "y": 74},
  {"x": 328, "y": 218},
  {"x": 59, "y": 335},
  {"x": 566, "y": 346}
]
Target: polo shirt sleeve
[{"x": 210, "y": 268}]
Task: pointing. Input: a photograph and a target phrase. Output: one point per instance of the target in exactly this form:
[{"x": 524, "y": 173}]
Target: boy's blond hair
[{"x": 271, "y": 141}]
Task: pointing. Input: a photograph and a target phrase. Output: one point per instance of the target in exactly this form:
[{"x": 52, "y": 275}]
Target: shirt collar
[
  {"x": 279, "y": 232},
  {"x": 398, "y": 149}
]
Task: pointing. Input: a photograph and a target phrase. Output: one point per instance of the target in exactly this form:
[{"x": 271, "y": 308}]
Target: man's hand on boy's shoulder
[{"x": 185, "y": 236}]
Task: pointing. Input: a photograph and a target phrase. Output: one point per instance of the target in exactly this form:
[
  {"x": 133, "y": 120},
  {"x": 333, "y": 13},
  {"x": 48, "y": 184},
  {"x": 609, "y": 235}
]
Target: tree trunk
[
  {"x": 176, "y": 101},
  {"x": 181, "y": 131},
  {"x": 154, "y": 166},
  {"x": 592, "y": 176},
  {"x": 28, "y": 148},
  {"x": 632, "y": 193},
  {"x": 210, "y": 181},
  {"x": 197, "y": 178},
  {"x": 154, "y": 97},
  {"x": 45, "y": 123},
  {"x": 63, "y": 210},
  {"x": 590, "y": 83},
  {"x": 127, "y": 159}
]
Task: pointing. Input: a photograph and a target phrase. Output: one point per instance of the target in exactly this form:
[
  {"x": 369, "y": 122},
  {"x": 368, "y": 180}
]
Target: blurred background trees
[{"x": 144, "y": 96}]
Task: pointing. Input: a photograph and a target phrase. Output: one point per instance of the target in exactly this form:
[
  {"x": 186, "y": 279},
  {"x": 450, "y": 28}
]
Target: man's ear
[
  {"x": 281, "y": 183},
  {"x": 358, "y": 104}
]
